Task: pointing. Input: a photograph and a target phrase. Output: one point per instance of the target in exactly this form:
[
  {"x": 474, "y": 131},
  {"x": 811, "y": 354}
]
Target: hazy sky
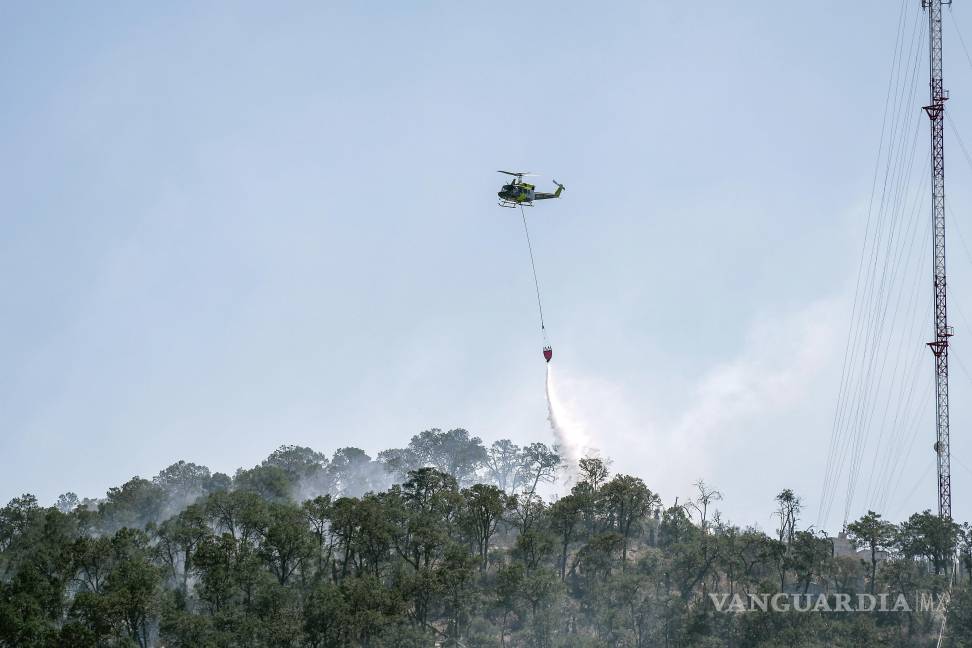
[{"x": 229, "y": 226}]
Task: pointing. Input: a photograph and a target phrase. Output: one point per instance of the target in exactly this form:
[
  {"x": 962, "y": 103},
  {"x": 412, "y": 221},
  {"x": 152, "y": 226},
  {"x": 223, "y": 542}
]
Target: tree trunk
[
  {"x": 873, "y": 568},
  {"x": 563, "y": 562}
]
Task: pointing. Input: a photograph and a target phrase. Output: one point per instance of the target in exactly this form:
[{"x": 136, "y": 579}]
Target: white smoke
[
  {"x": 571, "y": 440},
  {"x": 754, "y": 399}
]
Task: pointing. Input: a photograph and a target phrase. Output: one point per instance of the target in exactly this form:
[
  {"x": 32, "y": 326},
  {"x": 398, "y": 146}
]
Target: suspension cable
[{"x": 533, "y": 265}]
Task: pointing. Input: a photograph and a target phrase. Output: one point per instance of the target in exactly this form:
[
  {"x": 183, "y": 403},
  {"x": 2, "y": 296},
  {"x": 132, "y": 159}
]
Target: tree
[
  {"x": 325, "y": 616},
  {"x": 676, "y": 527},
  {"x": 483, "y": 506},
  {"x": 134, "y": 504},
  {"x": 509, "y": 583},
  {"x": 455, "y": 578},
  {"x": 502, "y": 464},
  {"x": 928, "y": 536},
  {"x": 564, "y": 518},
  {"x": 959, "y": 626},
  {"x": 398, "y": 462},
  {"x": 178, "y": 538},
  {"x": 353, "y": 473},
  {"x": 16, "y": 519},
  {"x": 702, "y": 503},
  {"x": 788, "y": 511},
  {"x": 534, "y": 542},
  {"x": 538, "y": 463},
  {"x": 240, "y": 513},
  {"x": 807, "y": 557},
  {"x": 875, "y": 534},
  {"x": 217, "y": 564},
  {"x": 131, "y": 589},
  {"x": 965, "y": 548},
  {"x": 454, "y": 452},
  {"x": 318, "y": 513},
  {"x": 344, "y": 526},
  {"x": 297, "y": 461},
  {"x": 67, "y": 502},
  {"x": 628, "y": 502},
  {"x": 218, "y": 482},
  {"x": 594, "y": 471},
  {"x": 286, "y": 541},
  {"x": 269, "y": 482},
  {"x": 91, "y": 558},
  {"x": 424, "y": 513},
  {"x": 541, "y": 591},
  {"x": 35, "y": 571},
  {"x": 306, "y": 468},
  {"x": 593, "y": 474},
  {"x": 374, "y": 537},
  {"x": 459, "y": 454},
  {"x": 183, "y": 482}
]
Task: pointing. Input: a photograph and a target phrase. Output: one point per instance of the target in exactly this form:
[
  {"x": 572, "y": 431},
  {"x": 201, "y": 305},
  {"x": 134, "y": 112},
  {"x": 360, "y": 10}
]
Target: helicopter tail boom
[{"x": 556, "y": 194}]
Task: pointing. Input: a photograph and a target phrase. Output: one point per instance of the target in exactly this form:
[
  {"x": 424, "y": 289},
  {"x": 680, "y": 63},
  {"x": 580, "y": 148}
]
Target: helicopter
[{"x": 518, "y": 193}]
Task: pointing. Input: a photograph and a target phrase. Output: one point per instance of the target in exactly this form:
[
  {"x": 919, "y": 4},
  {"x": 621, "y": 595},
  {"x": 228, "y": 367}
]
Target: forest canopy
[{"x": 449, "y": 541}]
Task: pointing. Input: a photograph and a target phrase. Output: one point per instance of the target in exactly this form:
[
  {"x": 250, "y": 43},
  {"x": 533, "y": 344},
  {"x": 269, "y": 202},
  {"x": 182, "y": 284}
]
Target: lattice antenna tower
[{"x": 939, "y": 346}]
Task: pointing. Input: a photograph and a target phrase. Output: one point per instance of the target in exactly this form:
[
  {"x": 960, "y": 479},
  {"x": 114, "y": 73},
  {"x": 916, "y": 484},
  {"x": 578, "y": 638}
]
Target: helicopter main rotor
[{"x": 518, "y": 174}]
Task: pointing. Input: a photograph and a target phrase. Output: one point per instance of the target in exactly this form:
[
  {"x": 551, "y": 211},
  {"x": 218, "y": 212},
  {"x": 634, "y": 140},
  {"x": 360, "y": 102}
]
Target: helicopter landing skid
[{"x": 513, "y": 205}]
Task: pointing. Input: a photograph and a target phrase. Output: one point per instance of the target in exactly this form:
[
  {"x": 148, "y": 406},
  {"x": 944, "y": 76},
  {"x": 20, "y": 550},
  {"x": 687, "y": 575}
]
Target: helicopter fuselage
[{"x": 518, "y": 193}]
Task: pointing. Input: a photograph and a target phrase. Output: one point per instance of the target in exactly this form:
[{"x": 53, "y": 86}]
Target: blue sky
[{"x": 232, "y": 226}]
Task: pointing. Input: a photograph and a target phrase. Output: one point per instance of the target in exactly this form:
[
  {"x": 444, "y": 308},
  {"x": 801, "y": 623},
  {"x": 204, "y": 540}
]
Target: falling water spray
[{"x": 570, "y": 439}]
